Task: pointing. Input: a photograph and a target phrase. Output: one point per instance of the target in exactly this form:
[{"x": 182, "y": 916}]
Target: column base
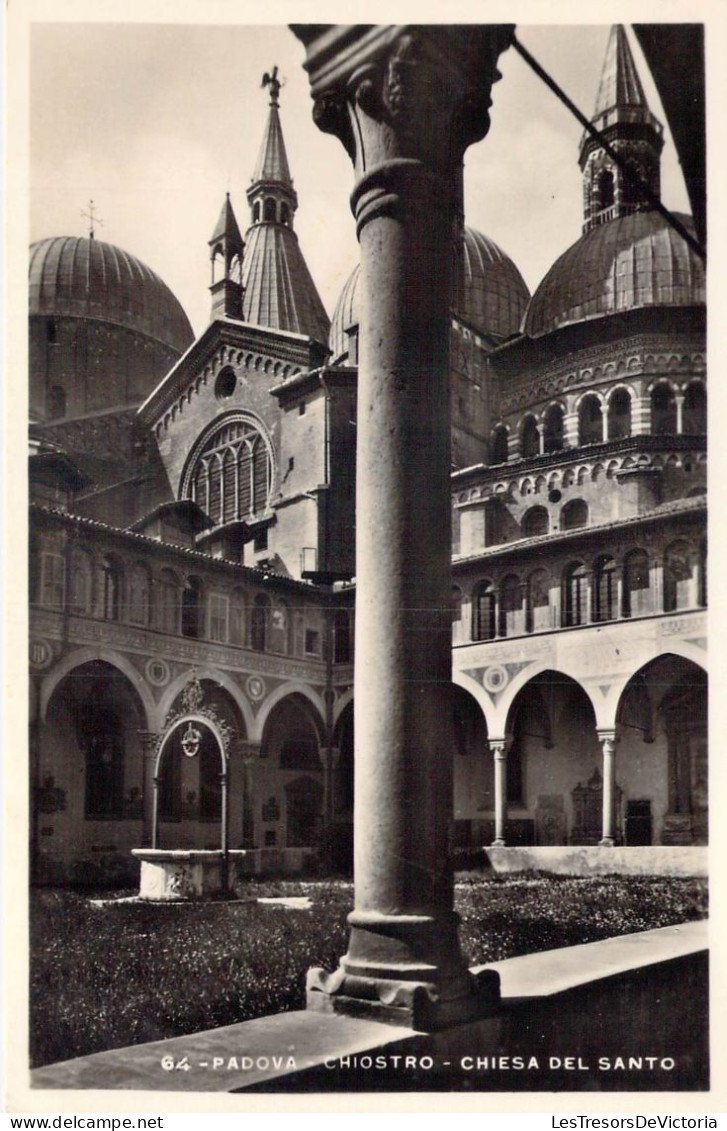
[
  {"x": 498, "y": 842},
  {"x": 404, "y": 970},
  {"x": 607, "y": 842}
]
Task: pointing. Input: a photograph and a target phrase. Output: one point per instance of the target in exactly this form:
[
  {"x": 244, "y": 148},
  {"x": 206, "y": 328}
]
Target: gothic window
[
  {"x": 590, "y": 420},
  {"x": 484, "y": 626},
  {"x": 53, "y": 580},
  {"x": 554, "y": 427},
  {"x": 694, "y": 415},
  {"x": 606, "y": 590},
  {"x": 575, "y": 603},
  {"x": 192, "y": 610},
  {"x": 637, "y": 598},
  {"x": 538, "y": 601},
  {"x": 574, "y": 515},
  {"x": 218, "y": 617},
  {"x": 529, "y": 438},
  {"x": 499, "y": 445},
  {"x": 677, "y": 577},
  {"x": 112, "y": 581},
  {"x": 139, "y": 589},
  {"x": 259, "y": 623},
  {"x": 81, "y": 581},
  {"x": 269, "y": 209},
  {"x": 167, "y": 601},
  {"x": 663, "y": 411},
  {"x": 341, "y": 637},
  {"x": 619, "y": 415},
  {"x": 232, "y": 476},
  {"x": 510, "y": 606},
  {"x": 535, "y": 521}
]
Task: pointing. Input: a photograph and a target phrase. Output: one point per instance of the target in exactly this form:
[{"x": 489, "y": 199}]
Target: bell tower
[
  {"x": 227, "y": 245},
  {"x": 623, "y": 117}
]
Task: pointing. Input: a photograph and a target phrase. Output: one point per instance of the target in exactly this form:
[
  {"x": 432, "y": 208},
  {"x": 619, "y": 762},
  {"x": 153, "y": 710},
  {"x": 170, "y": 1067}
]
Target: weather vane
[
  {"x": 92, "y": 218},
  {"x": 274, "y": 83}
]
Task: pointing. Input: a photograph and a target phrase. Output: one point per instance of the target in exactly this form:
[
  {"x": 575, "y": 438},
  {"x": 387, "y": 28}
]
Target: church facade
[{"x": 193, "y": 517}]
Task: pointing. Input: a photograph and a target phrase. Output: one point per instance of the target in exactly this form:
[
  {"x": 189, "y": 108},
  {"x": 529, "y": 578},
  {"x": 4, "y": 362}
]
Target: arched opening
[
  {"x": 663, "y": 410},
  {"x": 269, "y": 209},
  {"x": 574, "y": 515},
  {"x": 484, "y": 612},
  {"x": 575, "y": 595},
  {"x": 529, "y": 438},
  {"x": 694, "y": 414},
  {"x": 590, "y": 420},
  {"x": 112, "y": 578},
  {"x": 256, "y": 212},
  {"x": 341, "y": 839},
  {"x": 554, "y": 753},
  {"x": 284, "y": 213},
  {"x": 535, "y": 522},
  {"x": 619, "y": 415},
  {"x": 499, "y": 445},
  {"x": 605, "y": 188},
  {"x": 292, "y": 740},
  {"x": 661, "y": 734},
  {"x": 553, "y": 439},
  {"x": 473, "y": 773}
]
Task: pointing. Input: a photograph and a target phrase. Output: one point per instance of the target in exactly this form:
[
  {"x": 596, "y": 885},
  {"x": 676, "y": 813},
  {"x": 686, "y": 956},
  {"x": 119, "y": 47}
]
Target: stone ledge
[{"x": 593, "y": 860}]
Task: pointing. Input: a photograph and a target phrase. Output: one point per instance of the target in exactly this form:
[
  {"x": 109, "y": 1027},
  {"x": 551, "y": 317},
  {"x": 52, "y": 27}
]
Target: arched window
[
  {"x": 535, "y": 521},
  {"x": 511, "y": 610},
  {"x": 575, "y": 596},
  {"x": 538, "y": 601},
  {"x": 112, "y": 580},
  {"x": 574, "y": 514},
  {"x": 167, "y": 601},
  {"x": 663, "y": 411},
  {"x": 284, "y": 213},
  {"x": 237, "y": 617},
  {"x": 484, "y": 623},
  {"x": 554, "y": 429},
  {"x": 637, "y": 596},
  {"x": 341, "y": 637},
  {"x": 677, "y": 577},
  {"x": 694, "y": 413},
  {"x": 259, "y": 623},
  {"x": 590, "y": 420},
  {"x": 269, "y": 209},
  {"x": 499, "y": 445},
  {"x": 529, "y": 438},
  {"x": 219, "y": 618},
  {"x": 605, "y": 189},
  {"x": 280, "y": 626},
  {"x": 606, "y": 590},
  {"x": 232, "y": 476},
  {"x": 619, "y": 415},
  {"x": 192, "y": 608},
  {"x": 139, "y": 593},
  {"x": 81, "y": 581}
]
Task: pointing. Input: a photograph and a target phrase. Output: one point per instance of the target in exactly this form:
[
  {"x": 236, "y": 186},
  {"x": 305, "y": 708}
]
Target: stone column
[
  {"x": 679, "y": 401},
  {"x": 406, "y": 102},
  {"x": 499, "y": 748},
  {"x": 250, "y": 752},
  {"x": 607, "y": 738},
  {"x": 149, "y": 745}
]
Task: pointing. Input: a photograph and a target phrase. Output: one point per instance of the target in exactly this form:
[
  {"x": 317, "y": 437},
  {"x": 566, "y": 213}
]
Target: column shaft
[{"x": 608, "y": 743}]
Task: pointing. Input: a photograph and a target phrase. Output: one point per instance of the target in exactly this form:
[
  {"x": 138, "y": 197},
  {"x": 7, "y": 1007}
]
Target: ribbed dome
[
  {"x": 635, "y": 261},
  {"x": 76, "y": 277},
  {"x": 493, "y": 296}
]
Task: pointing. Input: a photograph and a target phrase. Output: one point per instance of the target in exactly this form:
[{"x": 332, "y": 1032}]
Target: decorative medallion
[
  {"x": 157, "y": 672},
  {"x": 255, "y": 687},
  {"x": 495, "y": 679},
  {"x": 41, "y": 653},
  {"x": 191, "y": 740}
]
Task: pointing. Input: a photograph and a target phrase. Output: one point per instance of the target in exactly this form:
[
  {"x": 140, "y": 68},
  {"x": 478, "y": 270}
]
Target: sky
[{"x": 156, "y": 122}]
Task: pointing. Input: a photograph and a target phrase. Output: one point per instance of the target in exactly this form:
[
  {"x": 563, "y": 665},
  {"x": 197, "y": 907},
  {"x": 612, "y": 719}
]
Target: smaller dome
[
  {"x": 632, "y": 262},
  {"x": 76, "y": 277},
  {"x": 493, "y": 296}
]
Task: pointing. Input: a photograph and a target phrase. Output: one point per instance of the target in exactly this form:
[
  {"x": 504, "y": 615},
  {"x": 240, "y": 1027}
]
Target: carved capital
[{"x": 415, "y": 92}]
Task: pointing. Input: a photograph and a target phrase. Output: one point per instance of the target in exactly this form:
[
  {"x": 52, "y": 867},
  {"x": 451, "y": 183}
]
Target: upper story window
[
  {"x": 553, "y": 439},
  {"x": 192, "y": 608},
  {"x": 53, "y": 580},
  {"x": 694, "y": 421},
  {"x": 575, "y": 596},
  {"x": 605, "y": 590},
  {"x": 619, "y": 415},
  {"x": 167, "y": 601},
  {"x": 590, "y": 420},
  {"x": 232, "y": 475},
  {"x": 637, "y": 595},
  {"x": 139, "y": 594},
  {"x": 112, "y": 577},
  {"x": 259, "y": 623},
  {"x": 574, "y": 514},
  {"x": 535, "y": 521},
  {"x": 530, "y": 438},
  {"x": 663, "y": 410},
  {"x": 342, "y": 637},
  {"x": 484, "y": 612},
  {"x": 269, "y": 209},
  {"x": 499, "y": 445},
  {"x": 677, "y": 577},
  {"x": 219, "y": 607},
  {"x": 81, "y": 581},
  {"x": 538, "y": 601}
]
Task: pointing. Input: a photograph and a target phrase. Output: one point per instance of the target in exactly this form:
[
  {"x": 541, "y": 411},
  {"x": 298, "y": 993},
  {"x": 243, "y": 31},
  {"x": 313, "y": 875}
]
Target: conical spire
[
  {"x": 278, "y": 289},
  {"x": 227, "y": 245},
  {"x": 623, "y": 117},
  {"x": 272, "y": 162},
  {"x": 620, "y": 84}
]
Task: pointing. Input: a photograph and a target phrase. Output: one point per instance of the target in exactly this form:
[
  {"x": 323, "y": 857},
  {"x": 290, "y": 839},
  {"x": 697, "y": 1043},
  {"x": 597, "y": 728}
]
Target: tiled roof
[{"x": 279, "y": 290}]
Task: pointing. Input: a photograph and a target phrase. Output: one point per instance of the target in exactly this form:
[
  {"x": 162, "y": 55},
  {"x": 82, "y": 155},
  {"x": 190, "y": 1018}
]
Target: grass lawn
[{"x": 119, "y": 974}]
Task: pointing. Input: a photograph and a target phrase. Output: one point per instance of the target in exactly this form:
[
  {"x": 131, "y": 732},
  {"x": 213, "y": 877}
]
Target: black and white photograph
[{"x": 365, "y": 395}]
